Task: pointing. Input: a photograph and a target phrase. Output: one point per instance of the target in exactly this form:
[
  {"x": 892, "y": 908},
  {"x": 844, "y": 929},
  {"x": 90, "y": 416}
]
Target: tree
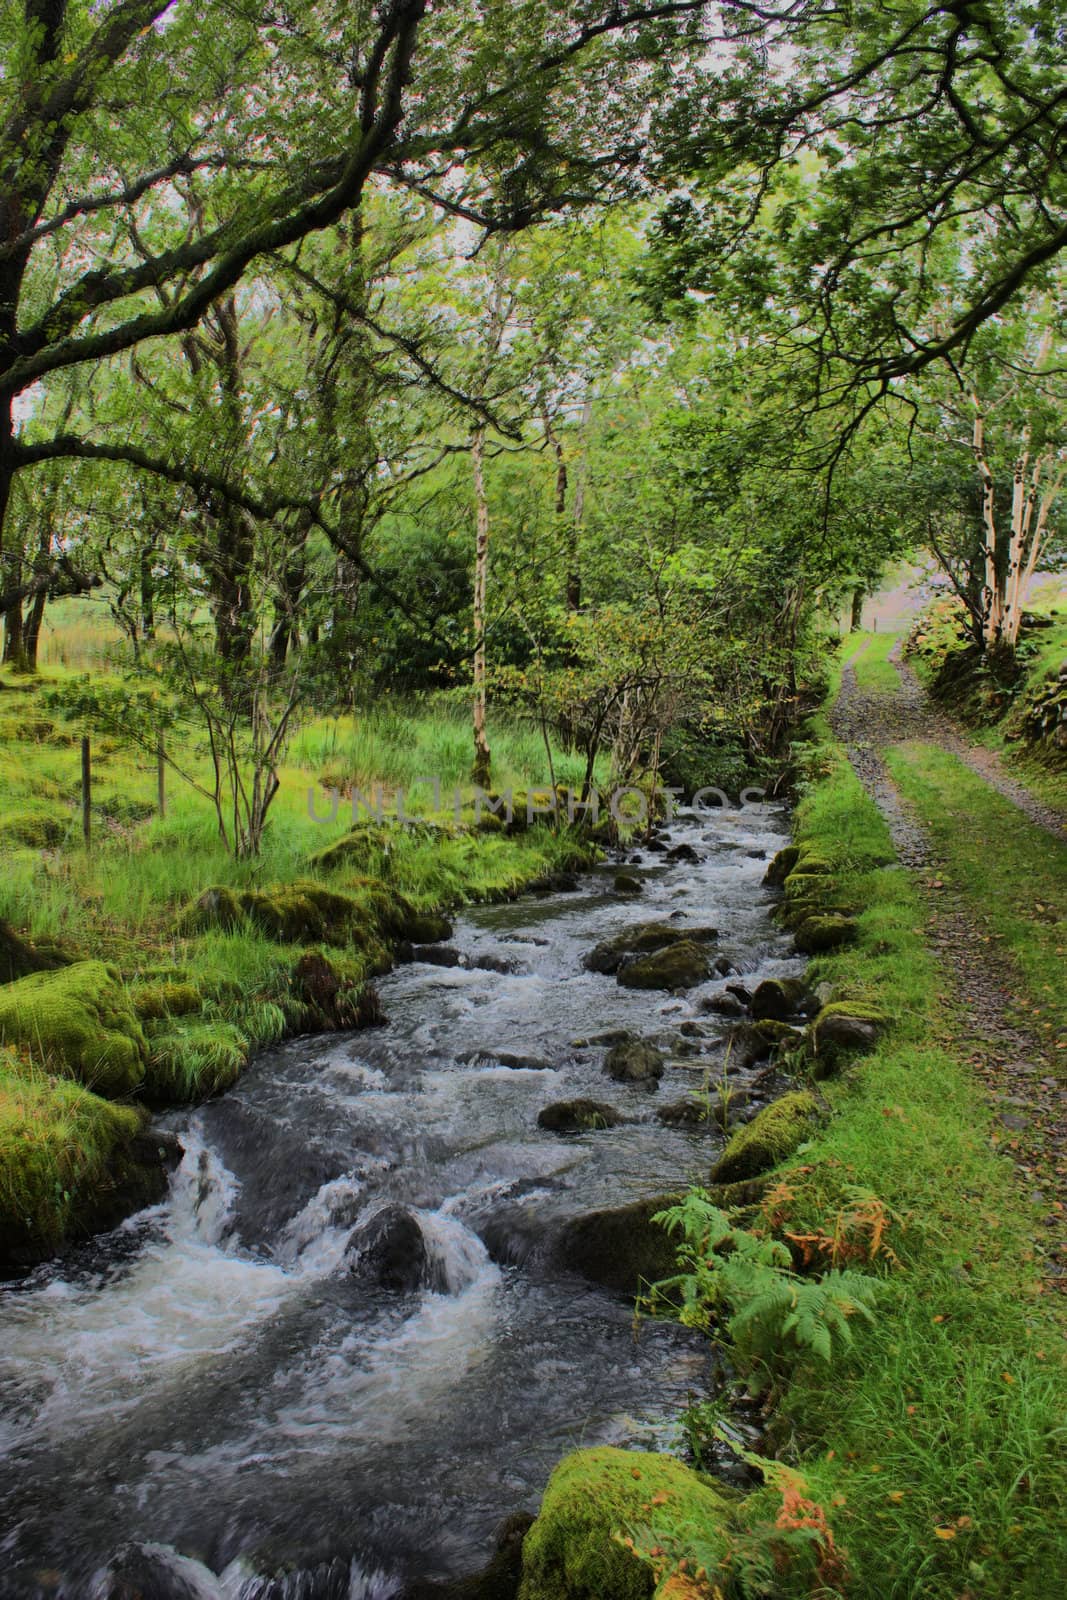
[
  {"x": 828, "y": 165},
  {"x": 402, "y": 94}
]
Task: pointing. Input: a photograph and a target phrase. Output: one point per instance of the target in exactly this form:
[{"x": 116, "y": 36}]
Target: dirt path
[{"x": 1014, "y": 1064}]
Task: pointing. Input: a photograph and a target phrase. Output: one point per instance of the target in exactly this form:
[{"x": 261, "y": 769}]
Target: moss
[
  {"x": 633, "y": 1061},
  {"x": 680, "y": 966},
  {"x": 595, "y": 1499},
  {"x": 778, "y": 998},
  {"x": 194, "y": 1059},
  {"x": 578, "y": 1116},
  {"x": 827, "y": 932},
  {"x": 166, "y": 998},
  {"x": 78, "y": 1021},
  {"x": 768, "y": 1139},
  {"x": 63, "y": 1154},
  {"x": 329, "y": 994},
  {"x": 643, "y": 939},
  {"x": 782, "y": 865},
  {"x": 310, "y": 913},
  {"x": 842, "y": 1027}
]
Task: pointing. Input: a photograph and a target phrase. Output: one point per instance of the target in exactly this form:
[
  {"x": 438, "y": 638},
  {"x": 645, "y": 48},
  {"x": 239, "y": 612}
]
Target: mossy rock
[
  {"x": 777, "y": 999},
  {"x": 594, "y": 1501},
  {"x": 620, "y": 1248},
  {"x": 680, "y": 966},
  {"x": 194, "y": 1059},
  {"x": 643, "y": 939},
  {"x": 70, "y": 1164},
  {"x": 578, "y": 1116},
  {"x": 782, "y": 865},
  {"x": 827, "y": 932},
  {"x": 633, "y": 1061},
  {"x": 328, "y": 998},
  {"x": 811, "y": 866},
  {"x": 778, "y": 1033},
  {"x": 310, "y": 913},
  {"x": 843, "y": 1027},
  {"x": 768, "y": 1139},
  {"x": 79, "y": 1022},
  {"x": 165, "y": 998},
  {"x": 626, "y": 883}
]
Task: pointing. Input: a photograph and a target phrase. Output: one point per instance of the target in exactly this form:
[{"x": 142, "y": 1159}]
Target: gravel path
[{"x": 1017, "y": 1067}]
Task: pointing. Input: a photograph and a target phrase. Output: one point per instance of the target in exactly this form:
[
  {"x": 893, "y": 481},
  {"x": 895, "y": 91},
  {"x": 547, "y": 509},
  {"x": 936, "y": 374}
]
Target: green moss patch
[
  {"x": 596, "y": 1501},
  {"x": 59, "y": 1149},
  {"x": 77, "y": 1021},
  {"x": 768, "y": 1139}
]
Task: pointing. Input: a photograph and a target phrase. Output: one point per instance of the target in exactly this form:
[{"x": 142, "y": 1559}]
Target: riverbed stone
[
  {"x": 723, "y": 1005},
  {"x": 626, "y": 883},
  {"x": 578, "y": 1116},
  {"x": 389, "y": 1249},
  {"x": 844, "y": 1027},
  {"x": 576, "y": 1549},
  {"x": 642, "y": 939},
  {"x": 679, "y": 966},
  {"x": 620, "y": 1247},
  {"x": 778, "y": 999},
  {"x": 768, "y": 1139},
  {"x": 634, "y": 1061},
  {"x": 683, "y": 852}
]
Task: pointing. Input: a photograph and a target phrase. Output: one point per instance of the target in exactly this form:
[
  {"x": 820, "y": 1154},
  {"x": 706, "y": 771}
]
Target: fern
[{"x": 746, "y": 1285}]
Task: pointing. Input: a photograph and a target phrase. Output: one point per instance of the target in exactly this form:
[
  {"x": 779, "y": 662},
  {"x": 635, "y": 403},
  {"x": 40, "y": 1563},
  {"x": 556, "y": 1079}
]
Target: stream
[{"x": 212, "y": 1396}]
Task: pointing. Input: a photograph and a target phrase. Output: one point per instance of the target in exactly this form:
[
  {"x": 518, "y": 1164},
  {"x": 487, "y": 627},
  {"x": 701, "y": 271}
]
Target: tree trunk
[
  {"x": 148, "y": 592},
  {"x": 31, "y": 637},
  {"x": 14, "y": 638},
  {"x": 481, "y": 770},
  {"x": 574, "y": 531},
  {"x": 859, "y": 595}
]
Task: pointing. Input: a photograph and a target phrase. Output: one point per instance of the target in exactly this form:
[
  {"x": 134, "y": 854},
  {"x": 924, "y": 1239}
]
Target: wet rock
[
  {"x": 643, "y": 938},
  {"x": 609, "y": 1037},
  {"x": 634, "y": 1061},
  {"x": 689, "y": 1113},
  {"x": 768, "y": 1139},
  {"x": 578, "y": 1116},
  {"x": 488, "y": 963},
  {"x": 742, "y": 992},
  {"x": 498, "y": 1581},
  {"x": 724, "y": 967},
  {"x": 779, "y": 999},
  {"x": 505, "y": 1058},
  {"x": 746, "y": 1045},
  {"x": 620, "y": 1248},
  {"x": 692, "y": 1030},
  {"x": 151, "y": 1572},
  {"x": 437, "y": 955},
  {"x": 723, "y": 1005},
  {"x": 389, "y": 1250},
  {"x": 679, "y": 966},
  {"x": 683, "y": 852},
  {"x": 656, "y": 845},
  {"x": 626, "y": 883}
]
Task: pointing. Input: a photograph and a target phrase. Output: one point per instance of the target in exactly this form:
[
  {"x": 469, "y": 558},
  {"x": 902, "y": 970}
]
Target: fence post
[
  {"x": 87, "y": 792},
  {"x": 161, "y": 770}
]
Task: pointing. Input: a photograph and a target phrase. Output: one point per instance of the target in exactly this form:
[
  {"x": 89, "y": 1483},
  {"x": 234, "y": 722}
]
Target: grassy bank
[
  {"x": 934, "y": 1447},
  {"x": 924, "y": 1457},
  {"x": 287, "y": 944}
]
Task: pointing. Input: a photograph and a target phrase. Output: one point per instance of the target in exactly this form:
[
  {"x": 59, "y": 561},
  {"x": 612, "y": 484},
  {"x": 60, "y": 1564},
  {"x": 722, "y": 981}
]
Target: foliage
[{"x": 772, "y": 1313}]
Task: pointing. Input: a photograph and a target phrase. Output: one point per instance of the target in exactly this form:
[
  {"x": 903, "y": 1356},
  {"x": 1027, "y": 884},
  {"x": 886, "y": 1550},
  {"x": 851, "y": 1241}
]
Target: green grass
[
  {"x": 936, "y": 1449},
  {"x": 1013, "y": 873},
  {"x": 874, "y": 671}
]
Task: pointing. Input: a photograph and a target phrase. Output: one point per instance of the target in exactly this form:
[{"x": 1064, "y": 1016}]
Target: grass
[
  {"x": 938, "y": 1448},
  {"x": 874, "y": 671},
  {"x": 1013, "y": 873}
]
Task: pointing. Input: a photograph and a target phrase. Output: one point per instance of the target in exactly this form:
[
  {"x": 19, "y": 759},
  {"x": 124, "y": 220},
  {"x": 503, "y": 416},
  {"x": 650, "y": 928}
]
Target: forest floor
[{"x": 989, "y": 861}]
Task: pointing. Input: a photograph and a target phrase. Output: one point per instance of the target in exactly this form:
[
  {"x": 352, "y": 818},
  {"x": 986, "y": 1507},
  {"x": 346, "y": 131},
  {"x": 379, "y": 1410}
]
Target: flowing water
[{"x": 216, "y": 1395}]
